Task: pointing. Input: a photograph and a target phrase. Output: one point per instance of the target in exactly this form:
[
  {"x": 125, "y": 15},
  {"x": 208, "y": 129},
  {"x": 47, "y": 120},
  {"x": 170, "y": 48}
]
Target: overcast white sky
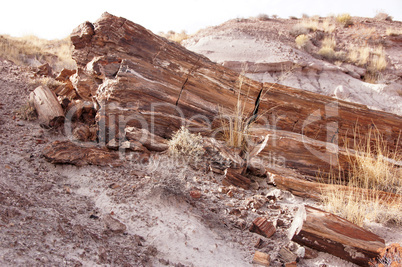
[{"x": 56, "y": 19}]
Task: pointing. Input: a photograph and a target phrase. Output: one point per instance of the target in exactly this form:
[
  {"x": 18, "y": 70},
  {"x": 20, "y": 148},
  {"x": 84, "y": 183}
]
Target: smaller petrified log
[
  {"x": 261, "y": 258},
  {"x": 234, "y": 177},
  {"x": 66, "y": 152},
  {"x": 329, "y": 233},
  {"x": 263, "y": 227},
  {"x": 47, "y": 106}
]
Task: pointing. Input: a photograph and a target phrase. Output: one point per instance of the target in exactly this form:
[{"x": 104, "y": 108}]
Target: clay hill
[{"x": 223, "y": 151}]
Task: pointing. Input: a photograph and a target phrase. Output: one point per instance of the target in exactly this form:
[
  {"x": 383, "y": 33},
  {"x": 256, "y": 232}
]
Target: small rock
[
  {"x": 263, "y": 227},
  {"x": 261, "y": 258},
  {"x": 113, "y": 224},
  {"x": 20, "y": 123},
  {"x": 195, "y": 194}
]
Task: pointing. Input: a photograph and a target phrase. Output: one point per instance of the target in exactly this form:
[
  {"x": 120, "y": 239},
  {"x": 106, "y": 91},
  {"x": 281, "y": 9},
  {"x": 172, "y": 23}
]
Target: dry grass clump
[
  {"x": 184, "y": 143},
  {"x": 235, "y": 126},
  {"x": 302, "y": 41},
  {"x": 175, "y": 36},
  {"x": 33, "y": 51},
  {"x": 344, "y": 19},
  {"x": 26, "y": 112},
  {"x": 373, "y": 59},
  {"x": 393, "y": 32},
  {"x": 327, "y": 49},
  {"x": 383, "y": 16},
  {"x": 328, "y": 26},
  {"x": 373, "y": 169},
  {"x": 263, "y": 17}
]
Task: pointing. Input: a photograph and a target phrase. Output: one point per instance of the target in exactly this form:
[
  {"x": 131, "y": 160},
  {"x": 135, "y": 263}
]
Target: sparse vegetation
[
  {"x": 235, "y": 126},
  {"x": 383, "y": 16},
  {"x": 33, "y": 51},
  {"x": 302, "y": 41},
  {"x": 175, "y": 36},
  {"x": 184, "y": 143},
  {"x": 327, "y": 52},
  {"x": 26, "y": 112},
  {"x": 372, "y": 168},
  {"x": 263, "y": 17},
  {"x": 344, "y": 19}
]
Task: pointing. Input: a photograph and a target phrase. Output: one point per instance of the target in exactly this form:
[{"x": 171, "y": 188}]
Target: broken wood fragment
[
  {"x": 261, "y": 258},
  {"x": 287, "y": 255},
  {"x": 263, "y": 227},
  {"x": 329, "y": 233},
  {"x": 67, "y": 152},
  {"x": 233, "y": 177}
]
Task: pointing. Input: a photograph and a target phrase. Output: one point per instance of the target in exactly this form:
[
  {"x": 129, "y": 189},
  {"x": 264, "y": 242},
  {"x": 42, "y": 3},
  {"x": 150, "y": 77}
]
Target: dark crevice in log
[
  {"x": 256, "y": 106},
  {"x": 188, "y": 76}
]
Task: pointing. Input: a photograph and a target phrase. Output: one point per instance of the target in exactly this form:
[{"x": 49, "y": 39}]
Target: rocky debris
[
  {"x": 151, "y": 141},
  {"x": 47, "y": 106},
  {"x": 44, "y": 70},
  {"x": 261, "y": 258},
  {"x": 329, "y": 233},
  {"x": 66, "y": 90},
  {"x": 113, "y": 224},
  {"x": 67, "y": 152},
  {"x": 263, "y": 227}
]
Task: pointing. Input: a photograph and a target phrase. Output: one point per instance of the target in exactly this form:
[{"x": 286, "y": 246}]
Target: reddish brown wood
[{"x": 329, "y": 233}]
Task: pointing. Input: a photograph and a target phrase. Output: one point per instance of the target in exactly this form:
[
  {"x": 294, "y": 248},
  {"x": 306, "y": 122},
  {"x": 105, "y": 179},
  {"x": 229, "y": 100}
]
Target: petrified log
[
  {"x": 142, "y": 80},
  {"x": 329, "y": 233},
  {"x": 66, "y": 152},
  {"x": 47, "y": 106}
]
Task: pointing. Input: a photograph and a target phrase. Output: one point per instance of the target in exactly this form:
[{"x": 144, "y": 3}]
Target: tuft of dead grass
[
  {"x": 374, "y": 168},
  {"x": 184, "y": 143},
  {"x": 302, "y": 41},
  {"x": 175, "y": 36},
  {"x": 33, "y": 51},
  {"x": 344, "y": 19}
]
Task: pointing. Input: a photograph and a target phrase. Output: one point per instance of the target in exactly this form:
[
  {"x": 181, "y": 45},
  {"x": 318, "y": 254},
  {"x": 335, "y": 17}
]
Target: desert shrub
[
  {"x": 327, "y": 52},
  {"x": 293, "y": 18},
  {"x": 383, "y": 16},
  {"x": 298, "y": 29},
  {"x": 184, "y": 143},
  {"x": 175, "y": 36},
  {"x": 372, "y": 169},
  {"x": 263, "y": 17},
  {"x": 311, "y": 24},
  {"x": 302, "y": 41},
  {"x": 26, "y": 112},
  {"x": 344, "y": 19},
  {"x": 329, "y": 42},
  {"x": 327, "y": 26}
]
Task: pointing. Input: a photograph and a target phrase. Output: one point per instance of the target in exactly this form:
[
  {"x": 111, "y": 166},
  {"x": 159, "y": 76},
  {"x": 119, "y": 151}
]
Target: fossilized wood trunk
[
  {"x": 329, "y": 233},
  {"x": 47, "y": 106},
  {"x": 142, "y": 80}
]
